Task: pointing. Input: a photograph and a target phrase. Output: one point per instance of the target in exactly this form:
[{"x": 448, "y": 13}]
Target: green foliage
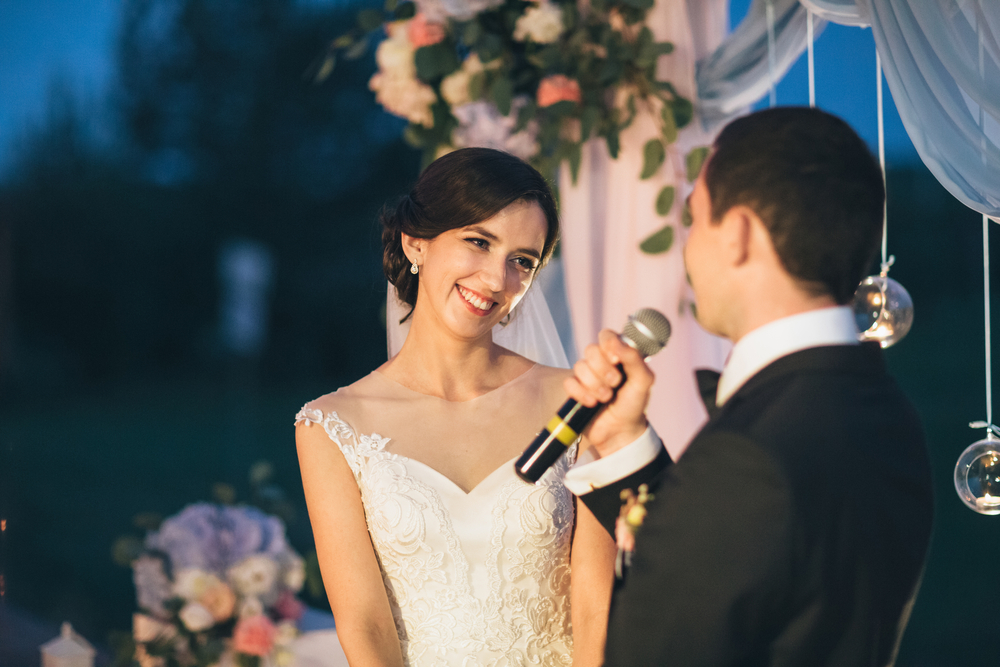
[
  {"x": 603, "y": 68},
  {"x": 653, "y": 155},
  {"x": 665, "y": 200},
  {"x": 694, "y": 160},
  {"x": 658, "y": 243}
]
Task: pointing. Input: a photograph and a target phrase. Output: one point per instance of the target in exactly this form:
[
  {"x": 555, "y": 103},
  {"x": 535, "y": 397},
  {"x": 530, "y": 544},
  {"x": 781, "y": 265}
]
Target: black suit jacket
[{"x": 792, "y": 532}]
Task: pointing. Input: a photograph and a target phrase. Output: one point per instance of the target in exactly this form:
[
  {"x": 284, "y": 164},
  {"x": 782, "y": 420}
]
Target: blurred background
[{"x": 189, "y": 251}]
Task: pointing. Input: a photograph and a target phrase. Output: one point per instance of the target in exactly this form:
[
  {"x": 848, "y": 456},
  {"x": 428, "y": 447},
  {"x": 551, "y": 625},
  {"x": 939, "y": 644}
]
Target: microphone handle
[{"x": 557, "y": 436}]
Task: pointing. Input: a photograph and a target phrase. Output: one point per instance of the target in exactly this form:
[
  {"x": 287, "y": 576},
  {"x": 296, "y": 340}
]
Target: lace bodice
[{"x": 478, "y": 578}]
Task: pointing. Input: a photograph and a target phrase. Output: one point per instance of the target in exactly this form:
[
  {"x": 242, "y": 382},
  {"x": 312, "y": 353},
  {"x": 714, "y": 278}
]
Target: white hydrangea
[
  {"x": 481, "y": 124},
  {"x": 152, "y": 586},
  {"x": 295, "y": 572},
  {"x": 541, "y": 24}
]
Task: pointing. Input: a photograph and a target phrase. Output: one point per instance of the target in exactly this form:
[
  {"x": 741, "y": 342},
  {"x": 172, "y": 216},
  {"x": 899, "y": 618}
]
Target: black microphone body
[{"x": 647, "y": 331}]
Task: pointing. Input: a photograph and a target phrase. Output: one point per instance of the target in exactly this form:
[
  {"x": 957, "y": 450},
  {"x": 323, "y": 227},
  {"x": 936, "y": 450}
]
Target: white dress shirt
[{"x": 757, "y": 349}]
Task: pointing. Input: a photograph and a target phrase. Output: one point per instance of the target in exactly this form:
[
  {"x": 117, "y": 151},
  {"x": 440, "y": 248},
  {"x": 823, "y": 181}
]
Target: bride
[{"x": 432, "y": 551}]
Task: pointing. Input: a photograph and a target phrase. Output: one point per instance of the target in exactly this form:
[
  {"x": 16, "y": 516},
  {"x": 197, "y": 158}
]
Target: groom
[{"x": 794, "y": 529}]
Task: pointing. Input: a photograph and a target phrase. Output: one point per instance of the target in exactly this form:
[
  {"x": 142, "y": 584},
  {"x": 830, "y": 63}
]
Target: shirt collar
[{"x": 757, "y": 349}]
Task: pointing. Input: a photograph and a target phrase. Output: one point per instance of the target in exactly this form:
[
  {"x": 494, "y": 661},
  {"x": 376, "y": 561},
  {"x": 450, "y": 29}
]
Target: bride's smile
[{"x": 471, "y": 277}]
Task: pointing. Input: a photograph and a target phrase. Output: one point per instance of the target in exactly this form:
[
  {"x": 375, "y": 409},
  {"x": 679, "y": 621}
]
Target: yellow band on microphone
[{"x": 561, "y": 431}]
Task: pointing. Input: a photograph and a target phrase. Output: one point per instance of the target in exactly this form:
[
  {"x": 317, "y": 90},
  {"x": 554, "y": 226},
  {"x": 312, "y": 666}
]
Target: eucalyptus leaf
[
  {"x": 489, "y": 47},
  {"x": 370, "y": 19},
  {"x": 390, "y": 5},
  {"x": 663, "y": 48},
  {"x": 343, "y": 41},
  {"x": 502, "y": 92},
  {"x": 326, "y": 68},
  {"x": 686, "y": 218},
  {"x": 575, "y": 155},
  {"x": 589, "y": 118},
  {"x": 665, "y": 200},
  {"x": 653, "y": 155},
  {"x": 669, "y": 127},
  {"x": 683, "y": 111},
  {"x": 356, "y": 50},
  {"x": 658, "y": 243},
  {"x": 614, "y": 143},
  {"x": 694, "y": 160}
]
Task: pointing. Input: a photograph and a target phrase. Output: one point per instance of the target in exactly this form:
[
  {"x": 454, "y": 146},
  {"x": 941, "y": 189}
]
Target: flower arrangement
[
  {"x": 216, "y": 584},
  {"x": 536, "y": 78},
  {"x": 630, "y": 519}
]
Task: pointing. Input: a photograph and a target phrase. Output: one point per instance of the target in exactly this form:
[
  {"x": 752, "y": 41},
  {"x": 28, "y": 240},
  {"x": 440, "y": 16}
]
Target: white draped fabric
[{"x": 609, "y": 212}]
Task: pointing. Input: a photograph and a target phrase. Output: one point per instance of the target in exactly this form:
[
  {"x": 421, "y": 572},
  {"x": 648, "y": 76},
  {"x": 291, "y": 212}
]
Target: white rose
[
  {"x": 254, "y": 575},
  {"x": 405, "y": 97},
  {"x": 395, "y": 56},
  {"x": 195, "y": 617},
  {"x": 191, "y": 583},
  {"x": 146, "y": 628},
  {"x": 455, "y": 88},
  {"x": 541, "y": 24}
]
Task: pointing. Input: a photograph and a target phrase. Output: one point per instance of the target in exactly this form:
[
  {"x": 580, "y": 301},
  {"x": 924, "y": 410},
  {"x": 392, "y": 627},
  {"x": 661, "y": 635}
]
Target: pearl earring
[{"x": 414, "y": 269}]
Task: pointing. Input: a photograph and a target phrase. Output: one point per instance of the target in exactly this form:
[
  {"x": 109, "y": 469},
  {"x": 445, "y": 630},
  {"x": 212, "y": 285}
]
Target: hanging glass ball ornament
[
  {"x": 883, "y": 309},
  {"x": 977, "y": 475}
]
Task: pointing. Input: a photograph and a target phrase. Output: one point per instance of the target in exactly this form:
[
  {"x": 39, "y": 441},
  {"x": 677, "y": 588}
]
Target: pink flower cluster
[
  {"x": 422, "y": 32},
  {"x": 254, "y": 635},
  {"x": 558, "y": 88}
]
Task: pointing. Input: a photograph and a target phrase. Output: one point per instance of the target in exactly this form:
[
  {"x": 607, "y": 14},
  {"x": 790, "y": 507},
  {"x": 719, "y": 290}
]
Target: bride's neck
[{"x": 449, "y": 368}]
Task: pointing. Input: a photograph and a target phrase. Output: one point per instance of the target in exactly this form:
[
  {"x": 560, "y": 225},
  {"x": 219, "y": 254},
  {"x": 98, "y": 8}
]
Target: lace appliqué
[{"x": 499, "y": 598}]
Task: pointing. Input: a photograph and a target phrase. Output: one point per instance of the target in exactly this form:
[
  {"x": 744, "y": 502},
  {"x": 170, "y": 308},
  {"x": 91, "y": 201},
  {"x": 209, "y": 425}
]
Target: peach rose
[
  {"x": 557, "y": 88},
  {"x": 220, "y": 601},
  {"x": 254, "y": 635},
  {"x": 424, "y": 33}
]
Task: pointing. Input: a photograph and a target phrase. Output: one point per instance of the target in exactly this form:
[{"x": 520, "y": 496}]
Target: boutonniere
[{"x": 630, "y": 518}]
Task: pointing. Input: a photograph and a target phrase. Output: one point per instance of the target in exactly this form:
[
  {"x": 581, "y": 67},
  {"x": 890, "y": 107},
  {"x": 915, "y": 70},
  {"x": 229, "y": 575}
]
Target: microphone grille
[{"x": 648, "y": 330}]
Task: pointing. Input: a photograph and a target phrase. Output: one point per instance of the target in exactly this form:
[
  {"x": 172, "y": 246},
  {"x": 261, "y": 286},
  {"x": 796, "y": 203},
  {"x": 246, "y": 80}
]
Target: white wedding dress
[{"x": 473, "y": 578}]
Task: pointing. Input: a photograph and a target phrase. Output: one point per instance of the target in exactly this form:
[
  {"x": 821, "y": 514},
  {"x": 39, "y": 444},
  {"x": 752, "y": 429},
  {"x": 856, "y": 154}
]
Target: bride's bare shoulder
[{"x": 348, "y": 400}]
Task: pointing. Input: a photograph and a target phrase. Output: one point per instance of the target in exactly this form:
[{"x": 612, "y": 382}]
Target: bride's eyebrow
[{"x": 493, "y": 237}]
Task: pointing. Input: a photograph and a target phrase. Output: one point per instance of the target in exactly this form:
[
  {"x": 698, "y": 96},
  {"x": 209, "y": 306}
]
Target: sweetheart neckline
[{"x": 509, "y": 462}]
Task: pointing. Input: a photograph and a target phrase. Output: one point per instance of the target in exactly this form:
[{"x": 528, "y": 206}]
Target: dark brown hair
[
  {"x": 814, "y": 184},
  {"x": 462, "y": 188}
]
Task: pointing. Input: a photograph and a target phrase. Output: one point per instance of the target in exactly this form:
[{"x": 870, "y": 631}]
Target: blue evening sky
[{"x": 71, "y": 42}]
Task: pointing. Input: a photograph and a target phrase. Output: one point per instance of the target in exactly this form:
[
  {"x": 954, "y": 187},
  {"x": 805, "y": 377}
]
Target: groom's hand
[{"x": 594, "y": 381}]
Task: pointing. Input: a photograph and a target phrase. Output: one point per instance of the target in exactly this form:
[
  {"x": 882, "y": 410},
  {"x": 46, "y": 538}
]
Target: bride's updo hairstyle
[{"x": 462, "y": 188}]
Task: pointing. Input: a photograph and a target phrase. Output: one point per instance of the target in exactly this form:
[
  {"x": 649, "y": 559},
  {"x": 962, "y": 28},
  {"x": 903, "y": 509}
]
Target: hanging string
[
  {"x": 986, "y": 257},
  {"x": 771, "y": 66},
  {"x": 812, "y": 67},
  {"x": 886, "y": 260}
]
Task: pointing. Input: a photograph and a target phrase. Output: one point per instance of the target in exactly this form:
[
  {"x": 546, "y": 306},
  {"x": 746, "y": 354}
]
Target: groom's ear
[{"x": 414, "y": 248}]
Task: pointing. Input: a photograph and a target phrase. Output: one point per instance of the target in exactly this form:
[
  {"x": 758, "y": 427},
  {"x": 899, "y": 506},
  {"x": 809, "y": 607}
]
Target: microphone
[{"x": 647, "y": 331}]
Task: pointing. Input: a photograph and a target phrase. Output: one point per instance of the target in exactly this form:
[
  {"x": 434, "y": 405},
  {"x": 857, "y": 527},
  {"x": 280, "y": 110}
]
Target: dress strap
[{"x": 352, "y": 446}]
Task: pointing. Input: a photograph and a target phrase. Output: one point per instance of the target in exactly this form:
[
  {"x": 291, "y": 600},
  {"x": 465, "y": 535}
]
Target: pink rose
[
  {"x": 424, "y": 33},
  {"x": 557, "y": 88},
  {"x": 289, "y": 607},
  {"x": 254, "y": 635}
]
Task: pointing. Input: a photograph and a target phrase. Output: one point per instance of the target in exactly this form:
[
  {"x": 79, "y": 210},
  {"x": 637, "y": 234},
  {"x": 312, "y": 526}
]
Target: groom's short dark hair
[{"x": 814, "y": 184}]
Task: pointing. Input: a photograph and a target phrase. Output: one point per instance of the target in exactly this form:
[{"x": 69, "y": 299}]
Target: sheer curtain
[{"x": 942, "y": 62}]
